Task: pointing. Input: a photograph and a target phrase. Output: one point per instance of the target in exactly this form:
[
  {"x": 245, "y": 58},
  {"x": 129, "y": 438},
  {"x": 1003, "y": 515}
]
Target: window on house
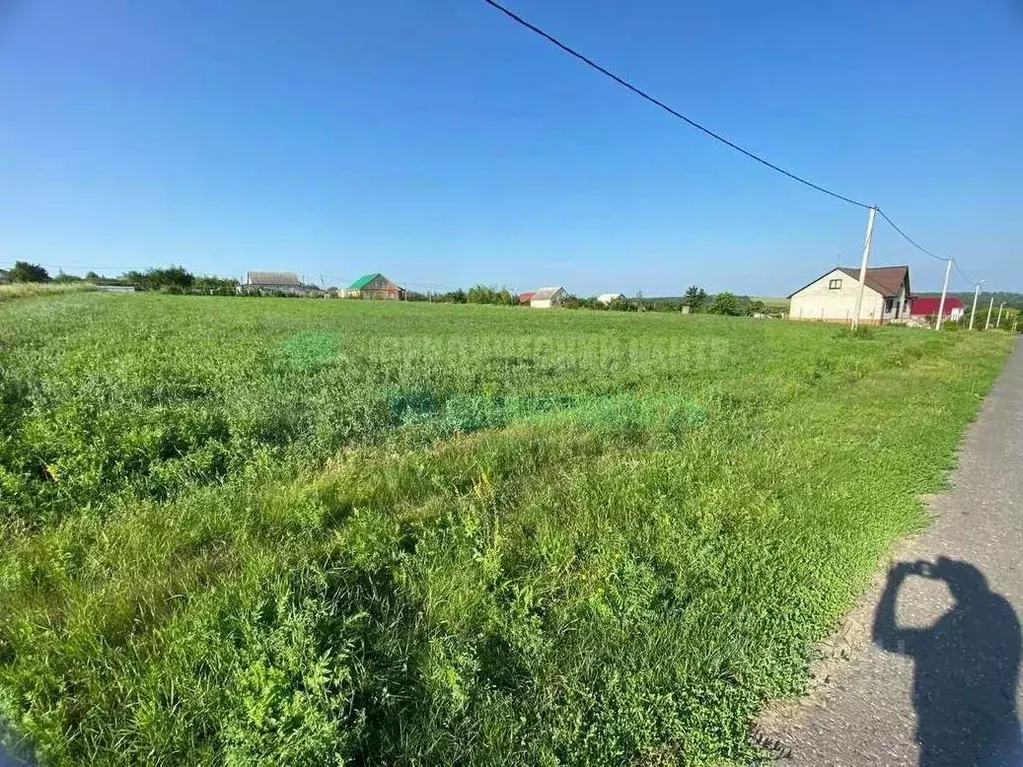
[
  {"x": 835, "y": 284},
  {"x": 888, "y": 305}
]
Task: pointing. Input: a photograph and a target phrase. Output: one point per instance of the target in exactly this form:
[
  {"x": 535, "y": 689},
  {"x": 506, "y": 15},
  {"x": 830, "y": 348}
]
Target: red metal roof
[
  {"x": 923, "y": 306},
  {"x": 525, "y": 298}
]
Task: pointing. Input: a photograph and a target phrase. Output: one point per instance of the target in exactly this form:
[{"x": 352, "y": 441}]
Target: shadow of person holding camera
[{"x": 966, "y": 668}]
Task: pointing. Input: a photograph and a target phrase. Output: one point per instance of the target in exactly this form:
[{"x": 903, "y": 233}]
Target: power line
[
  {"x": 922, "y": 249},
  {"x": 909, "y": 239},
  {"x": 656, "y": 102},
  {"x": 959, "y": 271},
  {"x": 644, "y": 95}
]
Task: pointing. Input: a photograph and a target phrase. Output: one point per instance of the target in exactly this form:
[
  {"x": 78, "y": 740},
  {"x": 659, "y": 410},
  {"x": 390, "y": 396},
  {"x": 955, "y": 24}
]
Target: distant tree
[
  {"x": 757, "y": 306},
  {"x": 452, "y": 297},
  {"x": 621, "y": 305},
  {"x": 695, "y": 298},
  {"x": 22, "y": 271},
  {"x": 726, "y": 303},
  {"x": 481, "y": 294},
  {"x": 175, "y": 279},
  {"x": 217, "y": 286},
  {"x": 65, "y": 277}
]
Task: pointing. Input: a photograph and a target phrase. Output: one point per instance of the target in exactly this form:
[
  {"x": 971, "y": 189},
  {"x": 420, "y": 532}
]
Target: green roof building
[{"x": 375, "y": 286}]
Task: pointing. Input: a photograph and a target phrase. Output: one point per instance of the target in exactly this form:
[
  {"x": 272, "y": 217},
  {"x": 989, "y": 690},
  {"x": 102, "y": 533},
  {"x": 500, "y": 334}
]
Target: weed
[{"x": 316, "y": 532}]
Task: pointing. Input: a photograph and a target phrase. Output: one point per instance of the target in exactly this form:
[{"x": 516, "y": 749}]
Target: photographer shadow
[{"x": 966, "y": 668}]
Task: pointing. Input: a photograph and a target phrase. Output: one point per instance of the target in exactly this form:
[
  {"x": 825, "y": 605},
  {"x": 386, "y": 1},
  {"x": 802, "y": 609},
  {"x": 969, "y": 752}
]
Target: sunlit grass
[
  {"x": 259, "y": 531},
  {"x": 29, "y": 289}
]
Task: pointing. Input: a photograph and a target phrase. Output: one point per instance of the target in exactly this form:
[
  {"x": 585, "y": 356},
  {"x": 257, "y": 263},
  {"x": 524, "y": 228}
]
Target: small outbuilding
[
  {"x": 610, "y": 298},
  {"x": 272, "y": 282},
  {"x": 547, "y": 298},
  {"x": 525, "y": 298},
  {"x": 375, "y": 286}
]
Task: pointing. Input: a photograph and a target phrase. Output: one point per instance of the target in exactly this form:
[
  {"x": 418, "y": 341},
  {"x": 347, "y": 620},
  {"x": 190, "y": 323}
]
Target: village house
[
  {"x": 271, "y": 282},
  {"x": 610, "y": 298},
  {"x": 525, "y": 298},
  {"x": 547, "y": 298},
  {"x": 374, "y": 286},
  {"x": 832, "y": 297},
  {"x": 926, "y": 307}
]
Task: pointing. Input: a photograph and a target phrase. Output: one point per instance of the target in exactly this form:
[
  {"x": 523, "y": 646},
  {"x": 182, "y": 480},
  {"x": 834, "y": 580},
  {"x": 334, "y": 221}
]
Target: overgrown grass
[
  {"x": 299, "y": 532},
  {"x": 29, "y": 289}
]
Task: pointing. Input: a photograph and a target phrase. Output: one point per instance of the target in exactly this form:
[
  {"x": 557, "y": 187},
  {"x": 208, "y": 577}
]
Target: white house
[
  {"x": 832, "y": 296},
  {"x": 545, "y": 298},
  {"x": 607, "y": 298}
]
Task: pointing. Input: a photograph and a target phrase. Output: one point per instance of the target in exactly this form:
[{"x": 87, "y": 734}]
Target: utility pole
[
  {"x": 989, "y": 308},
  {"x": 863, "y": 266},
  {"x": 998, "y": 322},
  {"x": 973, "y": 311},
  {"x": 941, "y": 303}
]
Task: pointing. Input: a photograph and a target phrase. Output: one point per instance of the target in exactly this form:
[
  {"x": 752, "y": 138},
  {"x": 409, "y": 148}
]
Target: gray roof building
[{"x": 273, "y": 279}]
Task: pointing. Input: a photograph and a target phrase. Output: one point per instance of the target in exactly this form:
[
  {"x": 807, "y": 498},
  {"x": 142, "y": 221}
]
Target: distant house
[
  {"x": 927, "y": 306},
  {"x": 546, "y": 298},
  {"x": 272, "y": 282},
  {"x": 610, "y": 298},
  {"x": 375, "y": 286},
  {"x": 832, "y": 297},
  {"x": 525, "y": 298}
]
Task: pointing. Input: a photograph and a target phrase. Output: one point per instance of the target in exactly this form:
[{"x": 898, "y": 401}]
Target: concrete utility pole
[
  {"x": 941, "y": 304},
  {"x": 989, "y": 308},
  {"x": 973, "y": 311},
  {"x": 863, "y": 266},
  {"x": 998, "y": 322}
]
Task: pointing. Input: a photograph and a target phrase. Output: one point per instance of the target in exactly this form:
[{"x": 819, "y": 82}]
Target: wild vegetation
[{"x": 321, "y": 532}]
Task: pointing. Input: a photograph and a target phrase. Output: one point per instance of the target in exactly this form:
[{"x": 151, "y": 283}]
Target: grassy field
[
  {"x": 262, "y": 531},
  {"x": 32, "y": 289}
]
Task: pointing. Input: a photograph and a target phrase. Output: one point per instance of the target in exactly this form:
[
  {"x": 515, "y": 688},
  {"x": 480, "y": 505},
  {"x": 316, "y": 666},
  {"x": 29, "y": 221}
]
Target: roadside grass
[{"x": 294, "y": 532}]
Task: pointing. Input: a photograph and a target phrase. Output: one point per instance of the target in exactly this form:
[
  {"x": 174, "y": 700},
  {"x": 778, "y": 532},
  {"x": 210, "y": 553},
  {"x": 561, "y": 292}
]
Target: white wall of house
[
  {"x": 896, "y": 307},
  {"x": 832, "y": 298},
  {"x": 547, "y": 303}
]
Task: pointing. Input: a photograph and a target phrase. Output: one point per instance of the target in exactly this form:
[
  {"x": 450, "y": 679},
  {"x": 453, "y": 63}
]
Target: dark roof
[
  {"x": 886, "y": 280},
  {"x": 272, "y": 278},
  {"x": 925, "y": 305}
]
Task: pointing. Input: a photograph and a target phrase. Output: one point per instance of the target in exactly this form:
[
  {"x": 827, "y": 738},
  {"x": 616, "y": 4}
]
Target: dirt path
[{"x": 934, "y": 677}]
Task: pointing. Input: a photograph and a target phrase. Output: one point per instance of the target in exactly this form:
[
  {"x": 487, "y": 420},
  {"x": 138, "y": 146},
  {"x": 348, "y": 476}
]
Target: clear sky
[{"x": 441, "y": 144}]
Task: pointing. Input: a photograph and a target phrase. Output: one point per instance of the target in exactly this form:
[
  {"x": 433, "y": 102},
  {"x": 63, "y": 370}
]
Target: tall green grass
[
  {"x": 29, "y": 289},
  {"x": 297, "y": 532}
]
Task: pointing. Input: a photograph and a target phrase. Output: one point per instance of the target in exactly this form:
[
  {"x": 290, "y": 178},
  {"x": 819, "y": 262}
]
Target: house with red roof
[{"x": 927, "y": 306}]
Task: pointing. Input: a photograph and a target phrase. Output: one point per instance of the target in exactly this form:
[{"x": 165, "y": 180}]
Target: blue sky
[{"x": 443, "y": 145}]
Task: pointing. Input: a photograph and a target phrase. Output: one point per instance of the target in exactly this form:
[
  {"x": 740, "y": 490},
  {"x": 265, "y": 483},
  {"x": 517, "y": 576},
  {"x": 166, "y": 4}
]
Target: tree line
[{"x": 177, "y": 279}]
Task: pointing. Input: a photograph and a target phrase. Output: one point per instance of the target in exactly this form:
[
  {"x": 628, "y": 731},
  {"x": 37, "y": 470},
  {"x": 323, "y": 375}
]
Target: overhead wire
[
  {"x": 693, "y": 123},
  {"x": 644, "y": 95}
]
